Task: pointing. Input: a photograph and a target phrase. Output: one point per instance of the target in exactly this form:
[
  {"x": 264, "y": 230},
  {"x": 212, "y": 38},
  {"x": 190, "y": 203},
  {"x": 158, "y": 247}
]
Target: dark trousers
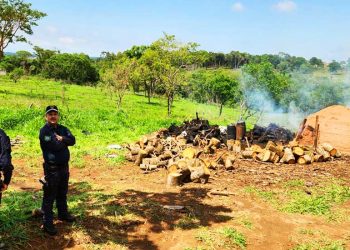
[{"x": 55, "y": 189}]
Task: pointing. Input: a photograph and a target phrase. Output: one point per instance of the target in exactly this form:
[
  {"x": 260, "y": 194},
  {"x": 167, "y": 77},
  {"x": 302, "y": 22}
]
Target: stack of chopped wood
[
  {"x": 187, "y": 167},
  {"x": 272, "y": 132},
  {"x": 291, "y": 153}
]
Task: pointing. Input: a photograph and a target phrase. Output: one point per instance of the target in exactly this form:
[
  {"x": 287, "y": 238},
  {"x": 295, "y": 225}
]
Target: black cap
[{"x": 51, "y": 108}]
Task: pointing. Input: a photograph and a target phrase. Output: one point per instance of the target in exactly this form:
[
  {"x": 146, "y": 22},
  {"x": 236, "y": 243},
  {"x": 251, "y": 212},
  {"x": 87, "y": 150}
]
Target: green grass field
[{"x": 91, "y": 114}]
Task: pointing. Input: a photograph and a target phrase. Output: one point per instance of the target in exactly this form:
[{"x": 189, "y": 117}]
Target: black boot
[
  {"x": 50, "y": 229},
  {"x": 67, "y": 217}
]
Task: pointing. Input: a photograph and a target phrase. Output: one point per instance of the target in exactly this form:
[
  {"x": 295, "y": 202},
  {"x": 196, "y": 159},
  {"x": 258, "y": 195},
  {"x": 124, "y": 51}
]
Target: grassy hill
[{"x": 91, "y": 114}]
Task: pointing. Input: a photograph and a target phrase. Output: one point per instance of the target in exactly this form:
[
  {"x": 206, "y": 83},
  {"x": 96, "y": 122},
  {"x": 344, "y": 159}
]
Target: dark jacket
[
  {"x": 56, "y": 152},
  {"x": 5, "y": 157}
]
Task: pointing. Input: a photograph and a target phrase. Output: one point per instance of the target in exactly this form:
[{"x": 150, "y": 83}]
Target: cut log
[
  {"x": 324, "y": 153},
  {"x": 270, "y": 144},
  {"x": 143, "y": 141},
  {"x": 159, "y": 149},
  {"x": 189, "y": 153},
  {"x": 298, "y": 151},
  {"x": 149, "y": 150},
  {"x": 318, "y": 158},
  {"x": 174, "y": 179},
  {"x": 264, "y": 156},
  {"x": 142, "y": 154},
  {"x": 237, "y": 147},
  {"x": 134, "y": 149},
  {"x": 288, "y": 157},
  {"x": 311, "y": 154},
  {"x": 247, "y": 154},
  {"x": 197, "y": 173},
  {"x": 230, "y": 144},
  {"x": 293, "y": 144},
  {"x": 173, "y": 168},
  {"x": 162, "y": 164},
  {"x": 280, "y": 150},
  {"x": 329, "y": 148},
  {"x": 255, "y": 155},
  {"x": 182, "y": 141},
  {"x": 272, "y": 156},
  {"x": 276, "y": 159},
  {"x": 148, "y": 167},
  {"x": 214, "y": 142},
  {"x": 304, "y": 159},
  {"x": 338, "y": 154},
  {"x": 166, "y": 155},
  {"x": 256, "y": 148},
  {"x": 229, "y": 163},
  {"x": 150, "y": 161},
  {"x": 130, "y": 157},
  {"x": 208, "y": 150}
]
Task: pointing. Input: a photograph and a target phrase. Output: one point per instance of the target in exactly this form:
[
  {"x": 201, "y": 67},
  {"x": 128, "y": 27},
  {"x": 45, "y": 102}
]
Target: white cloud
[
  {"x": 238, "y": 7},
  {"x": 285, "y": 6}
]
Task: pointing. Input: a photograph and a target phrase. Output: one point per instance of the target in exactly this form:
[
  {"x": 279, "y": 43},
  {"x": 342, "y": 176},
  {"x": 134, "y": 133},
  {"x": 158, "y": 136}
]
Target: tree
[
  {"x": 17, "y": 18},
  {"x": 148, "y": 71},
  {"x": 23, "y": 57},
  {"x": 77, "y": 68},
  {"x": 117, "y": 79},
  {"x": 41, "y": 57},
  {"x": 136, "y": 51},
  {"x": 16, "y": 74},
  {"x": 316, "y": 62},
  {"x": 334, "y": 66},
  {"x": 172, "y": 60},
  {"x": 216, "y": 86},
  {"x": 225, "y": 89}
]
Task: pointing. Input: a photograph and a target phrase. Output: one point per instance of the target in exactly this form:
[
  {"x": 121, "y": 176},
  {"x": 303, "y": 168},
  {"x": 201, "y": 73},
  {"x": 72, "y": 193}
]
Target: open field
[{"x": 120, "y": 207}]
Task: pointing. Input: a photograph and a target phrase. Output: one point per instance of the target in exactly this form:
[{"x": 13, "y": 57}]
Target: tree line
[{"x": 166, "y": 68}]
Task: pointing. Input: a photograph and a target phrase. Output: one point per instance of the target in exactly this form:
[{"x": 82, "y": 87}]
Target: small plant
[
  {"x": 188, "y": 222},
  {"x": 324, "y": 244},
  {"x": 223, "y": 238},
  {"x": 235, "y": 237},
  {"x": 16, "y": 74}
]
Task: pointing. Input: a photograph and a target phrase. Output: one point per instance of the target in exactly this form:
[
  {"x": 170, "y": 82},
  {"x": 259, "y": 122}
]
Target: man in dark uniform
[
  {"x": 54, "y": 142},
  {"x": 5, "y": 160},
  {"x": 6, "y": 167}
]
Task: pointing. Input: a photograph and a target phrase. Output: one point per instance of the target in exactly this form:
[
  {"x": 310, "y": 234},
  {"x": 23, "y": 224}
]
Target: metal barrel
[{"x": 240, "y": 130}]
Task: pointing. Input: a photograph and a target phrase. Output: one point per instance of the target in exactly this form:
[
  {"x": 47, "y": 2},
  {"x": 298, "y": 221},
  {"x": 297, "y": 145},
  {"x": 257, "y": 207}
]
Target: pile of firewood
[
  {"x": 272, "y": 132},
  {"x": 189, "y": 151},
  {"x": 291, "y": 153}
]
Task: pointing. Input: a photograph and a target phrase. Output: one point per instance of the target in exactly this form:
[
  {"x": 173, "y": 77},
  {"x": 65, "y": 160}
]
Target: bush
[
  {"x": 77, "y": 68},
  {"x": 16, "y": 74}
]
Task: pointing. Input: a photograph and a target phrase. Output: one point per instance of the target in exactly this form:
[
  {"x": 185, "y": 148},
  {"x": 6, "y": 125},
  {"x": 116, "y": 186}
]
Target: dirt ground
[{"x": 128, "y": 213}]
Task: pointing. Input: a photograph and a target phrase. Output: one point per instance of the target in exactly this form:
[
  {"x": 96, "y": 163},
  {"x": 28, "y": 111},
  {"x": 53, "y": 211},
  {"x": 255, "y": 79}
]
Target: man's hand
[
  {"x": 4, "y": 187},
  {"x": 58, "y": 137}
]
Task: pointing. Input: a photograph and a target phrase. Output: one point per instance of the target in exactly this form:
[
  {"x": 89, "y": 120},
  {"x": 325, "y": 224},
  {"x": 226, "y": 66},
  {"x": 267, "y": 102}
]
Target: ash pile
[
  {"x": 192, "y": 150},
  {"x": 273, "y": 132}
]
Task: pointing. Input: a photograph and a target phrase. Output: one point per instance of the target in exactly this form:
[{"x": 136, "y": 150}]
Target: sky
[{"x": 298, "y": 27}]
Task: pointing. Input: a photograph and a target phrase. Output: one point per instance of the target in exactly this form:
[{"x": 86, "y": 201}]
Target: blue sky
[{"x": 303, "y": 28}]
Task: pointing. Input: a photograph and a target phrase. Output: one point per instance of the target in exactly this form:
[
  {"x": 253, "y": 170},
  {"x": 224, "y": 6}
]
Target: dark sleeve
[
  {"x": 5, "y": 154},
  {"x": 7, "y": 174},
  {"x": 69, "y": 138},
  {"x": 49, "y": 141}
]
